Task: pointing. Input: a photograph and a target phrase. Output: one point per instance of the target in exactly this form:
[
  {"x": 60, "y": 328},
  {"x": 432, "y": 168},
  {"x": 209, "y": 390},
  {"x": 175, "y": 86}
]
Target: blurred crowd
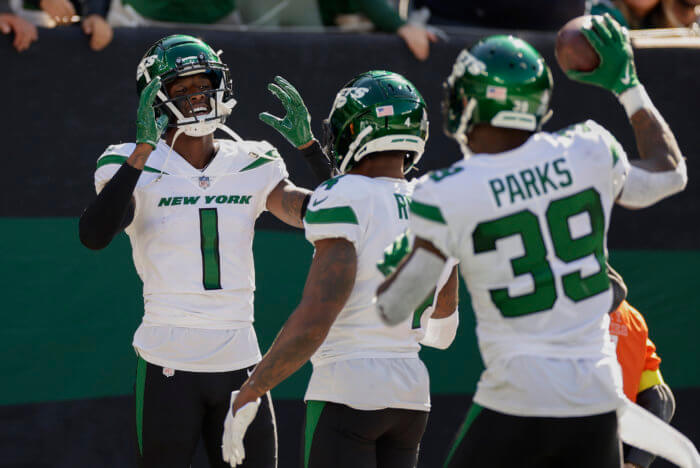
[{"x": 418, "y": 22}]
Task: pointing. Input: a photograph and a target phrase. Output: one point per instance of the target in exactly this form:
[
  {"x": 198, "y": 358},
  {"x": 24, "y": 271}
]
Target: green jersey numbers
[
  {"x": 440, "y": 174},
  {"x": 533, "y": 262},
  {"x": 395, "y": 253},
  {"x": 209, "y": 235},
  {"x": 331, "y": 182},
  {"x": 567, "y": 247}
]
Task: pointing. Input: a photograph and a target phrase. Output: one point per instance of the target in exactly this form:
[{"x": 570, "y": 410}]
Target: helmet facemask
[{"x": 180, "y": 56}]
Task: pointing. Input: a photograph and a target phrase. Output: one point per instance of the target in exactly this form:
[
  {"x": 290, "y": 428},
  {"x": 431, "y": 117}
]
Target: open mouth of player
[{"x": 200, "y": 109}]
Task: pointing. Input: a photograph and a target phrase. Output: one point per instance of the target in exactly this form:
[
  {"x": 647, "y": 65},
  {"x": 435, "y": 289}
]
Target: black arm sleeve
[
  {"x": 659, "y": 401},
  {"x": 111, "y": 211},
  {"x": 618, "y": 286},
  {"x": 317, "y": 161}
]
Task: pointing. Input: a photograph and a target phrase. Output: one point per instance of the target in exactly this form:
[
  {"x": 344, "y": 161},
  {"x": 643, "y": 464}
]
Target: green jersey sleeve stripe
[
  {"x": 337, "y": 215},
  {"x": 430, "y": 212},
  {"x": 117, "y": 159},
  {"x": 273, "y": 154},
  {"x": 257, "y": 163}
]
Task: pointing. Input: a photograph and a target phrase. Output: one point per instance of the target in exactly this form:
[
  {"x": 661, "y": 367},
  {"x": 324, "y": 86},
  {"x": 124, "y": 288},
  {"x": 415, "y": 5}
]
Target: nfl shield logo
[{"x": 204, "y": 182}]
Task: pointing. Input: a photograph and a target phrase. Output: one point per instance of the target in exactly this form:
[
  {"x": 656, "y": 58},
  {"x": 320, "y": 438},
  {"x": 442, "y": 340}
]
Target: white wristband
[
  {"x": 440, "y": 333},
  {"x": 635, "y": 98}
]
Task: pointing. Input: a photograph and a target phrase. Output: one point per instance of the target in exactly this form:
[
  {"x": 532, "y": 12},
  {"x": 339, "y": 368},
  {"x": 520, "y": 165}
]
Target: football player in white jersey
[
  {"x": 189, "y": 203},
  {"x": 527, "y": 213},
  {"x": 368, "y": 397}
]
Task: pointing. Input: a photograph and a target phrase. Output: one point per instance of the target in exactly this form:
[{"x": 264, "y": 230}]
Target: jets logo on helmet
[
  {"x": 376, "y": 111},
  {"x": 143, "y": 66},
  {"x": 501, "y": 81},
  {"x": 465, "y": 62},
  {"x": 342, "y": 97},
  {"x": 178, "y": 56}
]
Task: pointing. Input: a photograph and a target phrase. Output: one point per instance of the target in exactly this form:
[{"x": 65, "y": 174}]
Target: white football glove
[{"x": 235, "y": 427}]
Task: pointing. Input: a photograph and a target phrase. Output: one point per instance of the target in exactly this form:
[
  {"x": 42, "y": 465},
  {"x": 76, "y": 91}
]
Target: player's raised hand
[
  {"x": 296, "y": 125},
  {"x": 148, "y": 129},
  {"x": 235, "y": 426},
  {"x": 611, "y": 41}
]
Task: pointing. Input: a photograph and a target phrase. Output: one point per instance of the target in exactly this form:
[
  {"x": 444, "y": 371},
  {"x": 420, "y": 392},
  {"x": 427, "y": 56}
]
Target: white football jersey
[
  {"x": 529, "y": 227},
  {"x": 360, "y": 352},
  {"x": 192, "y": 233}
]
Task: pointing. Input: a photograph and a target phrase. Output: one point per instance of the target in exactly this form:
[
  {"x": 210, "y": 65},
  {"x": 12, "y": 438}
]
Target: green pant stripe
[
  {"x": 313, "y": 413},
  {"x": 140, "y": 389},
  {"x": 471, "y": 416}
]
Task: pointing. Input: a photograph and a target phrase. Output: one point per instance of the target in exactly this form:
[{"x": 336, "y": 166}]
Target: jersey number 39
[{"x": 534, "y": 262}]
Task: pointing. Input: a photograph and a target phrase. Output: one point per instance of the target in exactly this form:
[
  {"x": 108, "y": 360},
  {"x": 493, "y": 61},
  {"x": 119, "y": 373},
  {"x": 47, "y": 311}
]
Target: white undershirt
[{"x": 197, "y": 349}]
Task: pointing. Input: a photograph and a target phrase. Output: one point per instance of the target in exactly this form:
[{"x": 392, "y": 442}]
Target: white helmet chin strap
[{"x": 461, "y": 134}]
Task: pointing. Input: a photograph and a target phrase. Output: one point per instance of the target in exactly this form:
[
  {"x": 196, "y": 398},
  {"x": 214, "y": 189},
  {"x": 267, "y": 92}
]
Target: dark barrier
[
  {"x": 70, "y": 312},
  {"x": 63, "y": 105}
]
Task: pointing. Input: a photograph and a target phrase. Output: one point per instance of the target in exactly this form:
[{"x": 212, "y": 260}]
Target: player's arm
[
  {"x": 288, "y": 203},
  {"x": 661, "y": 172},
  {"x": 409, "y": 286},
  {"x": 618, "y": 287},
  {"x": 657, "y": 398},
  {"x": 442, "y": 325},
  {"x": 296, "y": 127},
  {"x": 328, "y": 285},
  {"x": 113, "y": 208}
]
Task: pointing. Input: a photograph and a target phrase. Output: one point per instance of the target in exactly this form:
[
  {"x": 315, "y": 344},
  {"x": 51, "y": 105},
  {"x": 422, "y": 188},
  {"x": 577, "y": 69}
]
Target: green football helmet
[
  {"x": 177, "y": 56},
  {"x": 375, "y": 111},
  {"x": 502, "y": 81}
]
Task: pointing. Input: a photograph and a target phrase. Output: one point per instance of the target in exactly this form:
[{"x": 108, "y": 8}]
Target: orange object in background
[{"x": 635, "y": 351}]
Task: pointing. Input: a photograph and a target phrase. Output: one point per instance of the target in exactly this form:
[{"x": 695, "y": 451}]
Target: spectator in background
[
  {"x": 134, "y": 13},
  {"x": 378, "y": 14},
  {"x": 90, "y": 13},
  {"x": 25, "y": 32},
  {"x": 647, "y": 14},
  {"x": 544, "y": 15}
]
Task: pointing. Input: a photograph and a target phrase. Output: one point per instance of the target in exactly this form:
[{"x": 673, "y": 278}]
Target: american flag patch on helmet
[
  {"x": 385, "y": 111},
  {"x": 498, "y": 93}
]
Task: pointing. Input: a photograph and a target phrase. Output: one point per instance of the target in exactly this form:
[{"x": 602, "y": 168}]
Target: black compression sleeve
[
  {"x": 111, "y": 211},
  {"x": 659, "y": 401},
  {"x": 304, "y": 206},
  {"x": 318, "y": 161}
]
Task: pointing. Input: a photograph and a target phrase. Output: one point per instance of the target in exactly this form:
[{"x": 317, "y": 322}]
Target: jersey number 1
[
  {"x": 209, "y": 242},
  {"x": 534, "y": 261}
]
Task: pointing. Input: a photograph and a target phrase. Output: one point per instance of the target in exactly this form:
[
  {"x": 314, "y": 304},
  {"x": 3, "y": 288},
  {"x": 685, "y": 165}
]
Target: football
[{"x": 572, "y": 49}]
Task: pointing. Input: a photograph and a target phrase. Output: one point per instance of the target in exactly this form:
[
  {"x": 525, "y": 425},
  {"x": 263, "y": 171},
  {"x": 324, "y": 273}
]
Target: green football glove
[
  {"x": 296, "y": 125},
  {"x": 148, "y": 129},
  {"x": 616, "y": 71}
]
